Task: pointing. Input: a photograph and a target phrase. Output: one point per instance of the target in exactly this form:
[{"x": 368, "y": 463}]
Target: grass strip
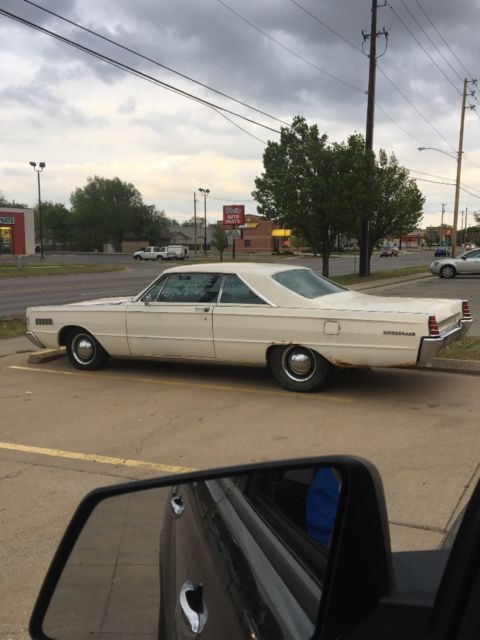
[
  {"x": 12, "y": 326},
  {"x": 467, "y": 349},
  {"x": 12, "y": 271},
  {"x": 353, "y": 278}
]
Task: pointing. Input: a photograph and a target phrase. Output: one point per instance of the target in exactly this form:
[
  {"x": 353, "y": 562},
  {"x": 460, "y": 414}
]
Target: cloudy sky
[{"x": 84, "y": 117}]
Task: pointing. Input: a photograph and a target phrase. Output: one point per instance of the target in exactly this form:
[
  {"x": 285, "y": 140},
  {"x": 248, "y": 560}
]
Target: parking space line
[
  {"x": 194, "y": 385},
  {"x": 92, "y": 457}
]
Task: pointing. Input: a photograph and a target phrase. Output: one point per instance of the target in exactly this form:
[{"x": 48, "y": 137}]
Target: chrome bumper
[
  {"x": 33, "y": 338},
  {"x": 429, "y": 347}
]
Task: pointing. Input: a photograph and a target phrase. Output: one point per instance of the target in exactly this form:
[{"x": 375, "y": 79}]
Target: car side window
[
  {"x": 473, "y": 255},
  {"x": 284, "y": 501},
  {"x": 191, "y": 287},
  {"x": 154, "y": 291},
  {"x": 235, "y": 291}
]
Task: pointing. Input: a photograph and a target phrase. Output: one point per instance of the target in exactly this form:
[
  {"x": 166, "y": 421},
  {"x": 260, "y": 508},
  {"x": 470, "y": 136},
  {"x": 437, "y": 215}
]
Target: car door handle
[
  {"x": 193, "y": 606},
  {"x": 204, "y": 309},
  {"x": 177, "y": 506}
]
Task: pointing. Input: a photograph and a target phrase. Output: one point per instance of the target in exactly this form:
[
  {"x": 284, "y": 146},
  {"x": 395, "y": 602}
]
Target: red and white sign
[{"x": 233, "y": 214}]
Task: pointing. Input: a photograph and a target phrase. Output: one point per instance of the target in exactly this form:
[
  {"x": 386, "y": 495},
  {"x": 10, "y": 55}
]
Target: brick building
[{"x": 259, "y": 236}]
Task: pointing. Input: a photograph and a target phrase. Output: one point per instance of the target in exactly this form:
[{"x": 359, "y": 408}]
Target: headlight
[{"x": 434, "y": 263}]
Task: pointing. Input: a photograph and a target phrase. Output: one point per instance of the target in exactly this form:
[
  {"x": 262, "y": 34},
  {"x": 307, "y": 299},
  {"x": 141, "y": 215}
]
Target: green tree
[
  {"x": 4, "y": 202},
  {"x": 323, "y": 190},
  {"x": 313, "y": 187},
  {"x": 398, "y": 201},
  {"x": 56, "y": 223},
  {"x": 105, "y": 209},
  {"x": 220, "y": 239}
]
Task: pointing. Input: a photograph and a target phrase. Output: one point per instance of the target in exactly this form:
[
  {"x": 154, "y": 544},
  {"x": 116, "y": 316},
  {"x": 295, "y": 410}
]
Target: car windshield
[{"x": 307, "y": 283}]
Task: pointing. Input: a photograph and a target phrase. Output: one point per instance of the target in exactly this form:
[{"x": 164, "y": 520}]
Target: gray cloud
[{"x": 63, "y": 93}]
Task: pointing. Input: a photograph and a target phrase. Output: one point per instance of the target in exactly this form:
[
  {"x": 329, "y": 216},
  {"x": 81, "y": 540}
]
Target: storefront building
[{"x": 17, "y": 231}]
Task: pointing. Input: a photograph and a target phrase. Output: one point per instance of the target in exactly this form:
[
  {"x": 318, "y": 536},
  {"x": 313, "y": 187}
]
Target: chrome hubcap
[
  {"x": 299, "y": 363},
  {"x": 83, "y": 349}
]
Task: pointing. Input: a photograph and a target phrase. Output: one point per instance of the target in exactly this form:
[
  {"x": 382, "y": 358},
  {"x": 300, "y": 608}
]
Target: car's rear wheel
[
  {"x": 298, "y": 368},
  {"x": 84, "y": 352},
  {"x": 448, "y": 271},
  {"x": 159, "y": 258}
]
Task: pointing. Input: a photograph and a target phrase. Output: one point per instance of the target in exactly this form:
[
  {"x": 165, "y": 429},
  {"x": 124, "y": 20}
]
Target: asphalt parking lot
[{"x": 64, "y": 432}]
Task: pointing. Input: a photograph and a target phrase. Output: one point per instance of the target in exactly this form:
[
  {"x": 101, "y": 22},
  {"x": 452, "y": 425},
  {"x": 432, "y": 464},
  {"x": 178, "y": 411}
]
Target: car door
[
  {"x": 470, "y": 262},
  {"x": 249, "y": 579},
  {"x": 242, "y": 323},
  {"x": 174, "y": 318}
]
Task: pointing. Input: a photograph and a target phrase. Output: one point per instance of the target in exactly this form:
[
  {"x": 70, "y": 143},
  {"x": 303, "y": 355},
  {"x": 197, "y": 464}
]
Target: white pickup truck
[{"x": 155, "y": 253}]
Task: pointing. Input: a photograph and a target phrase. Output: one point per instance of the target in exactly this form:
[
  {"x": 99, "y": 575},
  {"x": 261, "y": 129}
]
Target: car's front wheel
[
  {"x": 298, "y": 368},
  {"x": 137, "y": 257},
  {"x": 84, "y": 352},
  {"x": 448, "y": 271}
]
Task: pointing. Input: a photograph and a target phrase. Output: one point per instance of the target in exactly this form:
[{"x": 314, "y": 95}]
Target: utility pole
[
  {"x": 442, "y": 235},
  {"x": 459, "y": 164},
  {"x": 195, "y": 222},
  {"x": 364, "y": 267}
]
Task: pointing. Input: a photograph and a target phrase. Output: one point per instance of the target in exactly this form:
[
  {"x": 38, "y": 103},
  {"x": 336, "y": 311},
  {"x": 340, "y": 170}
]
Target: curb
[
  {"x": 448, "y": 365},
  {"x": 46, "y": 355}
]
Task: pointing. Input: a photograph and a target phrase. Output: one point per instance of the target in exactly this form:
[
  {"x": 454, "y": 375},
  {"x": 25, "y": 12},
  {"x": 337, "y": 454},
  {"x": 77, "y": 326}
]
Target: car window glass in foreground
[
  {"x": 235, "y": 291},
  {"x": 158, "y": 562},
  {"x": 154, "y": 291},
  {"x": 307, "y": 283},
  {"x": 191, "y": 287}
]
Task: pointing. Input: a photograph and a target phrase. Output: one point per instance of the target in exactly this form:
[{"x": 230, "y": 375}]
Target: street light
[
  {"x": 439, "y": 151},
  {"x": 458, "y": 158},
  {"x": 38, "y": 171},
  {"x": 205, "y": 193}
]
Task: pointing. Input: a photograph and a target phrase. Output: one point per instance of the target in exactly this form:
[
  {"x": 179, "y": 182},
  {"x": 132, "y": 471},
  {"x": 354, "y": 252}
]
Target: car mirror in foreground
[{"x": 287, "y": 549}]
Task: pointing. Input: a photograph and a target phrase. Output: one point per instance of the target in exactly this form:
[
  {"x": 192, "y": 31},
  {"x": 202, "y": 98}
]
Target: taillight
[
  {"x": 466, "y": 312},
  {"x": 433, "y": 326}
]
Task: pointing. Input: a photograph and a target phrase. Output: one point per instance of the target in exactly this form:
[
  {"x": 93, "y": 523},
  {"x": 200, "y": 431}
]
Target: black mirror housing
[{"x": 358, "y": 571}]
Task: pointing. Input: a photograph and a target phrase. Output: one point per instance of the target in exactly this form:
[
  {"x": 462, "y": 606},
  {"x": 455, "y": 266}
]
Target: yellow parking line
[
  {"x": 92, "y": 457},
  {"x": 194, "y": 385}
]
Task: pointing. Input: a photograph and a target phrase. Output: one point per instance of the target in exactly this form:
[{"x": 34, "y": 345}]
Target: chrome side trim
[
  {"x": 33, "y": 338},
  {"x": 429, "y": 347}
]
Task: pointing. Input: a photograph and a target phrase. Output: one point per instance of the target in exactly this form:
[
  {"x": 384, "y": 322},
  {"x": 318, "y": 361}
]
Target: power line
[
  {"x": 430, "y": 40},
  {"x": 153, "y": 61},
  {"x": 407, "y": 133},
  {"x": 422, "y": 47},
  {"x": 443, "y": 39},
  {"x": 294, "y": 53},
  {"x": 131, "y": 70},
  {"x": 339, "y": 35},
  {"x": 315, "y": 17},
  {"x": 415, "y": 108},
  {"x": 448, "y": 184},
  {"x": 432, "y": 175}
]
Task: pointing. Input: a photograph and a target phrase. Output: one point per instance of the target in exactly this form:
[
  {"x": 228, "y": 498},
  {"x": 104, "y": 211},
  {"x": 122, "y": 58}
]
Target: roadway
[{"x": 18, "y": 293}]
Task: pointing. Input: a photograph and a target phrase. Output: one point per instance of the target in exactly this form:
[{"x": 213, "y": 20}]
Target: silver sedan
[{"x": 467, "y": 263}]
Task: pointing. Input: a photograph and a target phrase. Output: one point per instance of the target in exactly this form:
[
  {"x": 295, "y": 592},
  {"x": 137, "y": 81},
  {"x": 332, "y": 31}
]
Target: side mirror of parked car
[
  {"x": 296, "y": 549},
  {"x": 147, "y": 299},
  {"x": 301, "y": 543}
]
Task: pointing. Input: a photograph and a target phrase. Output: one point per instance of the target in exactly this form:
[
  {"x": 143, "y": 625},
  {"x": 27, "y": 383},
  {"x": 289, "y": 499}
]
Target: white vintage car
[{"x": 289, "y": 318}]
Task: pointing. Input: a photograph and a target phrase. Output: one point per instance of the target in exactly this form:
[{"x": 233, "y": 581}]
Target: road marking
[
  {"x": 92, "y": 457},
  {"x": 193, "y": 385}
]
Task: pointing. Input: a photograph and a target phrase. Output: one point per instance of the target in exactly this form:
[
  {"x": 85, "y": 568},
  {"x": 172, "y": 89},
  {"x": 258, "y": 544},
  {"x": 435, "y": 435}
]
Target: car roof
[{"x": 234, "y": 267}]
